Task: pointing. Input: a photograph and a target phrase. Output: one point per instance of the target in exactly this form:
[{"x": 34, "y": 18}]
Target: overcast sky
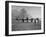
[{"x": 31, "y": 10}]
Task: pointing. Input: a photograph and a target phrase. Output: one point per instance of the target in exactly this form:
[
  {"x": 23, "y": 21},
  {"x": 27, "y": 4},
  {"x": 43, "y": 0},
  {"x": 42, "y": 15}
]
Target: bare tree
[{"x": 23, "y": 13}]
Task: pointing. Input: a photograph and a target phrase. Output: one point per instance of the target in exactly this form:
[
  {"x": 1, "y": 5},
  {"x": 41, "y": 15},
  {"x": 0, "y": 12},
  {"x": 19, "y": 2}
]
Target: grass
[{"x": 25, "y": 26}]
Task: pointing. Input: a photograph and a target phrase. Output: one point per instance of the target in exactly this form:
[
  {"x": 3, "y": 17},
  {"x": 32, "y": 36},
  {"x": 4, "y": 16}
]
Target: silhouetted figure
[
  {"x": 37, "y": 19},
  {"x": 27, "y": 19},
  {"x": 17, "y": 18},
  {"x": 22, "y": 20},
  {"x": 31, "y": 19},
  {"x": 34, "y": 20}
]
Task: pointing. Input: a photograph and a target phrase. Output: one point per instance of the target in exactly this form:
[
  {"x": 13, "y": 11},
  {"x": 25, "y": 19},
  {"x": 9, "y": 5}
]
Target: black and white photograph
[{"x": 25, "y": 18}]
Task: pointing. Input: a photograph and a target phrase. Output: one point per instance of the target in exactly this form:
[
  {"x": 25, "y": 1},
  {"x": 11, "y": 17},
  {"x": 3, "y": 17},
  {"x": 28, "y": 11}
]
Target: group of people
[{"x": 26, "y": 19}]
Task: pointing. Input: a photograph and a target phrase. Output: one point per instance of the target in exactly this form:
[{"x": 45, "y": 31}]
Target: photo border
[{"x": 7, "y": 17}]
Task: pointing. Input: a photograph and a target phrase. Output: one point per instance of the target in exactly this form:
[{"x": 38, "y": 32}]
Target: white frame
[{"x": 26, "y": 31}]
